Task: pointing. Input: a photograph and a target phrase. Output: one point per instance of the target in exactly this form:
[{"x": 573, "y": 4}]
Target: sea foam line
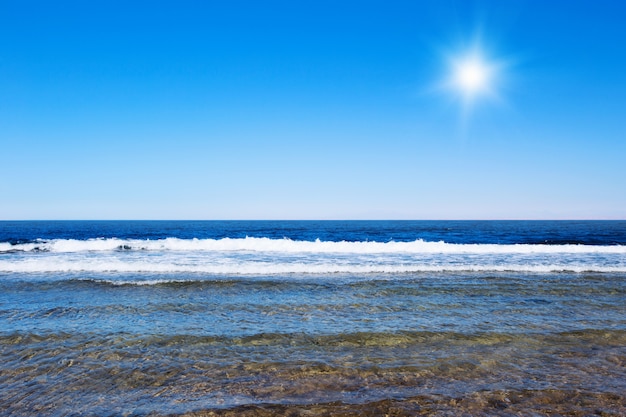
[
  {"x": 261, "y": 268},
  {"x": 254, "y": 244}
]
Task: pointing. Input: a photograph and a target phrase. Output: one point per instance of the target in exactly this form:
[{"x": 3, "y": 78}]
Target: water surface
[{"x": 312, "y": 318}]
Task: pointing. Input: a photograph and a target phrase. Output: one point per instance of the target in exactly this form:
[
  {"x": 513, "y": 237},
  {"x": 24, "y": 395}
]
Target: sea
[{"x": 312, "y": 318}]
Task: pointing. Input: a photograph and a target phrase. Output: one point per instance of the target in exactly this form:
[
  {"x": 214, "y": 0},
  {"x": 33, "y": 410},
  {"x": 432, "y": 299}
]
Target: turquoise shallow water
[{"x": 171, "y": 318}]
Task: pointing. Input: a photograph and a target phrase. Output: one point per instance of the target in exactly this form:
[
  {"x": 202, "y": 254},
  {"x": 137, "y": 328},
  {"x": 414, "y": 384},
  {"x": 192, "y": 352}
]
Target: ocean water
[{"x": 312, "y": 318}]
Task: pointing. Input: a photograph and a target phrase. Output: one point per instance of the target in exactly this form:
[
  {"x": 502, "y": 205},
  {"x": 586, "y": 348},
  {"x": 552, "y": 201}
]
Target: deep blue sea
[{"x": 155, "y": 318}]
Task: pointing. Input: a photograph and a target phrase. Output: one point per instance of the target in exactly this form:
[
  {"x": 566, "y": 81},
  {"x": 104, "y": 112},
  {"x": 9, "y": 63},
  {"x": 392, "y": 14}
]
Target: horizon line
[{"x": 312, "y": 220}]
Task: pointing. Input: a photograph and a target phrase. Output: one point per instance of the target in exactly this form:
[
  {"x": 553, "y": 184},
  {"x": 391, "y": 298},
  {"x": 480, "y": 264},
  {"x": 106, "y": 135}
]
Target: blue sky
[{"x": 310, "y": 110}]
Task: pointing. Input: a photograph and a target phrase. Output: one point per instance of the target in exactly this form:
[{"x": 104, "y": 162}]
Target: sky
[{"x": 312, "y": 110}]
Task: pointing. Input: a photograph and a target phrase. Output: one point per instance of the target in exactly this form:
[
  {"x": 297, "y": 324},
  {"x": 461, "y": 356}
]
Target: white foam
[
  {"x": 253, "y": 244},
  {"x": 269, "y": 268},
  {"x": 266, "y": 256}
]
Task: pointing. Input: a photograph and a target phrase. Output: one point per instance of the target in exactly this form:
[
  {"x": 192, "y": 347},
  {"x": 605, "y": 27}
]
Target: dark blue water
[{"x": 499, "y": 232}]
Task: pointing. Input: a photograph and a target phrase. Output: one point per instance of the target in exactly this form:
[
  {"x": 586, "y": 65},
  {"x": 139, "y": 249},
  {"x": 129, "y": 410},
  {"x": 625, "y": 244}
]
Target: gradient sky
[{"x": 310, "y": 110}]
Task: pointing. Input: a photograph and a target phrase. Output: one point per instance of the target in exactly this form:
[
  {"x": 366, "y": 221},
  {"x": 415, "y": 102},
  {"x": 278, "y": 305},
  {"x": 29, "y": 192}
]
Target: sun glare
[
  {"x": 474, "y": 77},
  {"x": 471, "y": 75}
]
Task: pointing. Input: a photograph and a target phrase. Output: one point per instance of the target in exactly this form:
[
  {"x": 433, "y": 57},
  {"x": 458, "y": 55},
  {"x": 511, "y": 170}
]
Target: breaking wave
[
  {"x": 265, "y": 256},
  {"x": 255, "y": 244}
]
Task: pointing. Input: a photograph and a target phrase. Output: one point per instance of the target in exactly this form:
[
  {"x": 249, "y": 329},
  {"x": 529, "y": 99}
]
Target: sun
[{"x": 472, "y": 75}]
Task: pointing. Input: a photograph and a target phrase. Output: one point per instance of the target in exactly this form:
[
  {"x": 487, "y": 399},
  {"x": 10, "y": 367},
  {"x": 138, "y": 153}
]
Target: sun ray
[{"x": 472, "y": 77}]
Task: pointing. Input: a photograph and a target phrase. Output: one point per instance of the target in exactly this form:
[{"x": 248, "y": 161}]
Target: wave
[
  {"x": 254, "y": 244},
  {"x": 265, "y": 256},
  {"x": 294, "y": 268}
]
